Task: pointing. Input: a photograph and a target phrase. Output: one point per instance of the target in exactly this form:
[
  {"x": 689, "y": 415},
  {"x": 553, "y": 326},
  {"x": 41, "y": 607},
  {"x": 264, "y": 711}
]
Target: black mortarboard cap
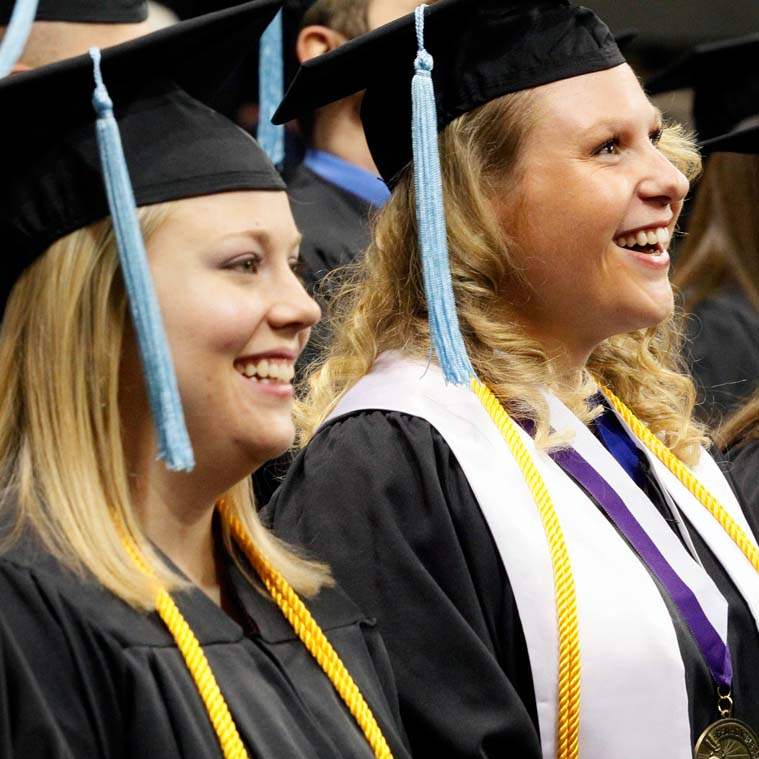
[
  {"x": 725, "y": 81},
  {"x": 744, "y": 139},
  {"x": 482, "y": 49},
  {"x": 175, "y": 145},
  {"x": 625, "y": 38},
  {"x": 88, "y": 11},
  {"x": 153, "y": 98}
]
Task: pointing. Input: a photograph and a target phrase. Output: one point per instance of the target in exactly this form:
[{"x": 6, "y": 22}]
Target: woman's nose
[
  {"x": 292, "y": 306},
  {"x": 664, "y": 182}
]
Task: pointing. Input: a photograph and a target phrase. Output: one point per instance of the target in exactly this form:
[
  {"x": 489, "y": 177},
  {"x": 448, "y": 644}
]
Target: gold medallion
[{"x": 728, "y": 739}]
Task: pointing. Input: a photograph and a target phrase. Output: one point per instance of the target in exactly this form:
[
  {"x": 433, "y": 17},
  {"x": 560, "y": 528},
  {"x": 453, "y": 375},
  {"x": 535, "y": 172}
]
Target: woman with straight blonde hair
[
  {"x": 501, "y": 463},
  {"x": 145, "y": 609}
]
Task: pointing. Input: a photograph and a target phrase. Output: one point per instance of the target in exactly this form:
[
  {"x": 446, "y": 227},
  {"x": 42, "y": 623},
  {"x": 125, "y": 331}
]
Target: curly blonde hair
[{"x": 381, "y": 305}]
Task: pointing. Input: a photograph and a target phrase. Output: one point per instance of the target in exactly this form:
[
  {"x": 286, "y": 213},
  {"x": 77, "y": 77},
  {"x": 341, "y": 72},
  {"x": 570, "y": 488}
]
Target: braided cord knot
[
  {"x": 423, "y": 63},
  {"x": 101, "y": 100}
]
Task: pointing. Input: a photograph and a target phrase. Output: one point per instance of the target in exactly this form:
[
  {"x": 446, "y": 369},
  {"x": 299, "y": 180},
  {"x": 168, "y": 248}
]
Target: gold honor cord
[
  {"x": 311, "y": 634},
  {"x": 302, "y": 623},
  {"x": 568, "y": 728},
  {"x": 568, "y": 718},
  {"x": 691, "y": 482}
]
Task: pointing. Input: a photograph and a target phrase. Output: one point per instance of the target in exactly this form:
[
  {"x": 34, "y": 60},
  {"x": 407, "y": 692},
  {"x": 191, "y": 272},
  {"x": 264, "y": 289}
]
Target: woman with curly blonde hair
[{"x": 514, "y": 485}]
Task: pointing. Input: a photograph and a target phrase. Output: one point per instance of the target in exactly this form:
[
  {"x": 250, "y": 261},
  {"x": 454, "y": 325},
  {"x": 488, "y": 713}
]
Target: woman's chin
[
  {"x": 263, "y": 449},
  {"x": 655, "y": 312}
]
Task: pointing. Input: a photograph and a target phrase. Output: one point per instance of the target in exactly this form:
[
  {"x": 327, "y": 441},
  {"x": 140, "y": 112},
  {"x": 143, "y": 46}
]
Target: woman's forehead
[
  {"x": 264, "y": 215},
  {"x": 603, "y": 99}
]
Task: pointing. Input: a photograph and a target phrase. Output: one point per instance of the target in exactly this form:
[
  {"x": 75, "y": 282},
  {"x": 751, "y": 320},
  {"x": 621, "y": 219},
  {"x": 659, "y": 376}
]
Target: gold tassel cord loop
[
  {"x": 297, "y": 615},
  {"x": 687, "y": 478},
  {"x": 221, "y": 719},
  {"x": 568, "y": 718},
  {"x": 311, "y": 635}
]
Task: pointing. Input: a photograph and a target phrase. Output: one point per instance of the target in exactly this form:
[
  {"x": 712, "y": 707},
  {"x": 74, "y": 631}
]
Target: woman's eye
[
  {"x": 247, "y": 265},
  {"x": 610, "y": 147},
  {"x": 656, "y": 136},
  {"x": 298, "y": 268}
]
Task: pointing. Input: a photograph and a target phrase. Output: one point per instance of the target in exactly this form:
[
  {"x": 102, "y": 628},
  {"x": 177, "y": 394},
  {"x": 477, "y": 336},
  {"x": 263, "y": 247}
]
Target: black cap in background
[
  {"x": 744, "y": 139},
  {"x": 724, "y": 77},
  {"x": 482, "y": 49},
  {"x": 87, "y": 11},
  {"x": 625, "y": 38}
]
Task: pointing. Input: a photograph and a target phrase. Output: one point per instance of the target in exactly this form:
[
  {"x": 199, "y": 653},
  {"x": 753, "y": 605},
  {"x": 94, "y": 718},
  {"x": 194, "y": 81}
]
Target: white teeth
[
  {"x": 658, "y": 236},
  {"x": 267, "y": 370}
]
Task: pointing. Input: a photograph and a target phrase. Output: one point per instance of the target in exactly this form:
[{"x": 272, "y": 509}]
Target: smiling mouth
[
  {"x": 267, "y": 371},
  {"x": 652, "y": 242}
]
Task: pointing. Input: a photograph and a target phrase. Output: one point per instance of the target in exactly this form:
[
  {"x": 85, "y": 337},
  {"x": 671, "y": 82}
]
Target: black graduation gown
[
  {"x": 335, "y": 228},
  {"x": 742, "y": 468},
  {"x": 84, "y": 675},
  {"x": 381, "y": 497},
  {"x": 723, "y": 353},
  {"x": 334, "y": 224}
]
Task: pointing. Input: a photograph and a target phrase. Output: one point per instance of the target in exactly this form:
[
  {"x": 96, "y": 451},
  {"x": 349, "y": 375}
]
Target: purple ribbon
[{"x": 713, "y": 648}]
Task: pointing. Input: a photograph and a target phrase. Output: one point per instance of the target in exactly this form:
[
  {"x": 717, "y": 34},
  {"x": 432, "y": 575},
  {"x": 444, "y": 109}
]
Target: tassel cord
[
  {"x": 163, "y": 392},
  {"x": 17, "y": 34},
  {"x": 271, "y": 76},
  {"x": 445, "y": 331}
]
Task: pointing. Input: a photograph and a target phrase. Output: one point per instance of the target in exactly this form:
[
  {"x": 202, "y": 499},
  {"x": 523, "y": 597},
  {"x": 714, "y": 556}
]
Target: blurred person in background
[
  {"x": 738, "y": 438},
  {"x": 337, "y": 187},
  {"x": 66, "y": 28},
  {"x": 717, "y": 266}
]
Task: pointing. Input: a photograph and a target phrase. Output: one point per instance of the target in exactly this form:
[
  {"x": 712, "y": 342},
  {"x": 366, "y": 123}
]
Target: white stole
[{"x": 634, "y": 700}]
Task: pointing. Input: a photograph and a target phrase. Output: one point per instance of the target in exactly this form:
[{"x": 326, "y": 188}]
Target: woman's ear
[{"x": 317, "y": 40}]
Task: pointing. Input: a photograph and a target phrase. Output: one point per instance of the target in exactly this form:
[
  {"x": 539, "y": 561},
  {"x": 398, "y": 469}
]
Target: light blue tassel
[
  {"x": 173, "y": 441},
  {"x": 271, "y": 85},
  {"x": 430, "y": 217},
  {"x": 16, "y": 34}
]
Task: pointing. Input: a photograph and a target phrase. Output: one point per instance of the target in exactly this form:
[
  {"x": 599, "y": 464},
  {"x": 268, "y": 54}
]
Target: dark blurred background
[
  {"x": 676, "y": 24},
  {"x": 665, "y": 29},
  {"x": 668, "y": 27}
]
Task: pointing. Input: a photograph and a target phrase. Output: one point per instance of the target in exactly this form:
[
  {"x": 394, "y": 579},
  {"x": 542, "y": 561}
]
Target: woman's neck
[{"x": 176, "y": 514}]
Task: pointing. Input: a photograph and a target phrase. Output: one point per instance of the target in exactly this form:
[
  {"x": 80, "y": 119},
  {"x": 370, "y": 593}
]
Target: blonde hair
[
  {"x": 722, "y": 246},
  {"x": 382, "y": 305},
  {"x": 63, "y": 474}
]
